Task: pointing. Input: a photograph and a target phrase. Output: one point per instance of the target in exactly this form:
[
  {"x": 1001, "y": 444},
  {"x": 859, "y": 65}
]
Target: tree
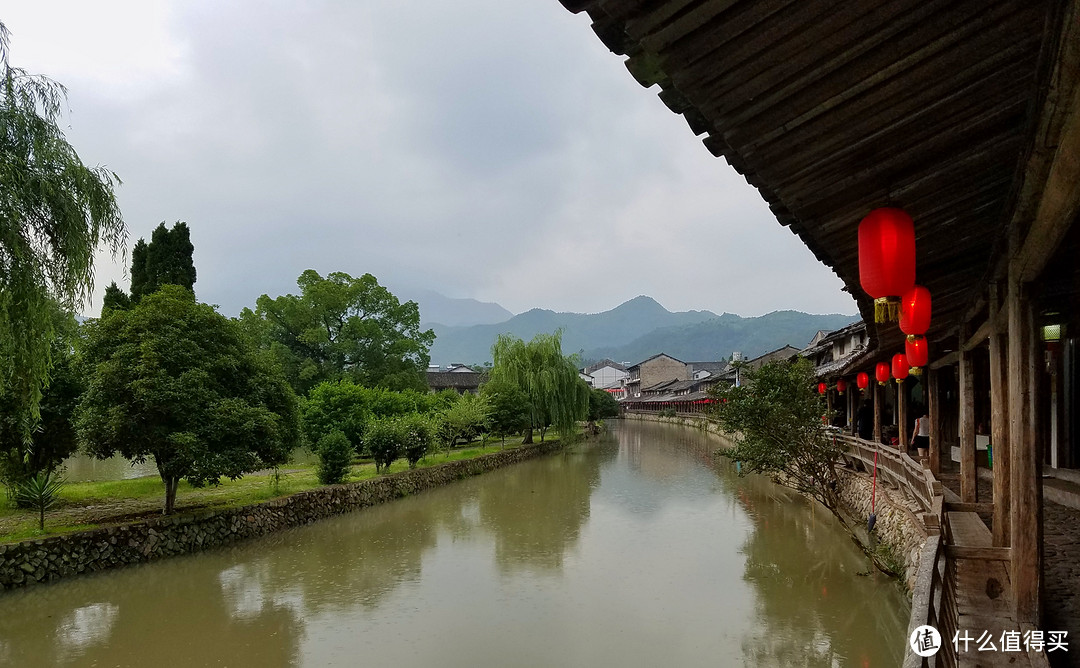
[
  {"x": 54, "y": 214},
  {"x": 167, "y": 260},
  {"x": 509, "y": 409},
  {"x": 343, "y": 327},
  {"x": 418, "y": 432},
  {"x": 174, "y": 380},
  {"x": 464, "y": 419},
  {"x": 557, "y": 395},
  {"x": 602, "y": 405},
  {"x": 115, "y": 299},
  {"x": 335, "y": 455},
  {"x": 385, "y": 440},
  {"x": 774, "y": 418},
  {"x": 52, "y": 439}
]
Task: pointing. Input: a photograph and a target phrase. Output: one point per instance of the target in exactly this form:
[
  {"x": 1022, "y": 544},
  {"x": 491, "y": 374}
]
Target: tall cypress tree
[
  {"x": 115, "y": 299},
  {"x": 167, "y": 259}
]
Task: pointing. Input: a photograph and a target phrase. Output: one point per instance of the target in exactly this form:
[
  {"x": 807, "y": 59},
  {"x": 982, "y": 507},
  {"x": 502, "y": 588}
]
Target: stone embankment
[
  {"x": 897, "y": 524},
  {"x": 44, "y": 560}
]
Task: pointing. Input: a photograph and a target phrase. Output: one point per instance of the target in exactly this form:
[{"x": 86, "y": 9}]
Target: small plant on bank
[
  {"x": 39, "y": 492},
  {"x": 335, "y": 454}
]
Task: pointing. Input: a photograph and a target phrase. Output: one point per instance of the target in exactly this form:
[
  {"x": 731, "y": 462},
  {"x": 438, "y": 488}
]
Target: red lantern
[
  {"x": 886, "y": 259},
  {"x": 862, "y": 380},
  {"x": 899, "y": 367},
  {"x": 918, "y": 355},
  {"x": 881, "y": 372},
  {"x": 841, "y": 385},
  {"x": 915, "y": 311},
  {"x": 822, "y": 388}
]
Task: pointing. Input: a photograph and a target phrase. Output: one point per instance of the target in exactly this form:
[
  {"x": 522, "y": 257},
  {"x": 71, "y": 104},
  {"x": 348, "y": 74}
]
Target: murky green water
[{"x": 634, "y": 551}]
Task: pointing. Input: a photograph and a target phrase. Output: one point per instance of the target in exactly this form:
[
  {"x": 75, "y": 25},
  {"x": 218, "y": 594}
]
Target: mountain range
[{"x": 636, "y": 330}]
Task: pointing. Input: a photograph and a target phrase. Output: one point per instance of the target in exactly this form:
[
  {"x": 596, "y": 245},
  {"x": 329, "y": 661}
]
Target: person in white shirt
[{"x": 920, "y": 435}]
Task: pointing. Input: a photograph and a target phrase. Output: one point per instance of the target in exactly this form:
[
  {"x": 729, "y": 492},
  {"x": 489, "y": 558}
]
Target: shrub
[
  {"x": 335, "y": 454},
  {"x": 40, "y": 493},
  {"x": 385, "y": 440},
  {"x": 419, "y": 436}
]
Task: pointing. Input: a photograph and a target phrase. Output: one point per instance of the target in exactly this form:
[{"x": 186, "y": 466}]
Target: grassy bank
[{"x": 88, "y": 505}]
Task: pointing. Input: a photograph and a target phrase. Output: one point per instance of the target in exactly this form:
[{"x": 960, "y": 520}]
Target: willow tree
[
  {"x": 54, "y": 213},
  {"x": 557, "y": 395}
]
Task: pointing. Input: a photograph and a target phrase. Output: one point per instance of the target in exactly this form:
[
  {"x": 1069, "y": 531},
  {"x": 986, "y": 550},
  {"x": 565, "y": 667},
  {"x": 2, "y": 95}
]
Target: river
[{"x": 636, "y": 549}]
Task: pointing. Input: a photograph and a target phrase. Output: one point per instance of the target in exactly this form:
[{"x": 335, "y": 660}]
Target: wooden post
[
  {"x": 968, "y": 479},
  {"x": 934, "y": 413},
  {"x": 901, "y": 416},
  {"x": 878, "y": 396},
  {"x": 999, "y": 429},
  {"x": 1024, "y": 475}
]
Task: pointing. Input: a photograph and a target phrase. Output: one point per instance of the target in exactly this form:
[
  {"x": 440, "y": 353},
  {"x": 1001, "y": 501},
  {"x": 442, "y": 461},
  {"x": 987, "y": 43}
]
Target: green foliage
[
  {"x": 602, "y": 405},
  {"x": 54, "y": 213},
  {"x": 668, "y": 412},
  {"x": 385, "y": 440},
  {"x": 52, "y": 439},
  {"x": 464, "y": 419},
  {"x": 775, "y": 420},
  {"x": 166, "y": 260},
  {"x": 557, "y": 395},
  {"x": 349, "y": 407},
  {"x": 343, "y": 327},
  {"x": 115, "y": 299},
  {"x": 418, "y": 433},
  {"x": 335, "y": 455},
  {"x": 509, "y": 412},
  {"x": 174, "y": 380},
  {"x": 40, "y": 493}
]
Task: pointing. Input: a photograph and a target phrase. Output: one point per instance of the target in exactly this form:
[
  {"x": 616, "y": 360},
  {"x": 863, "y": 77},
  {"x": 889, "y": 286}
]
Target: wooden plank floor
[{"x": 982, "y": 593}]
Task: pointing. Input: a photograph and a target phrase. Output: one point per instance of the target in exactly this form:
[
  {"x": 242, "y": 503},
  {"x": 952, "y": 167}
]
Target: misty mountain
[
  {"x": 719, "y": 337},
  {"x": 638, "y": 329},
  {"x": 582, "y": 331},
  {"x": 438, "y": 308}
]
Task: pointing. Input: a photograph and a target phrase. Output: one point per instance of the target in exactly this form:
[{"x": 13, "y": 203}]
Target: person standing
[{"x": 920, "y": 435}]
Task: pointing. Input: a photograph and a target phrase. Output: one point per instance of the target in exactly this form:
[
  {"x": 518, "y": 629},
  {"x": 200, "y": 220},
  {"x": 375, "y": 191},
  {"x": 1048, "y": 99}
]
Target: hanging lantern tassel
[{"x": 886, "y": 309}]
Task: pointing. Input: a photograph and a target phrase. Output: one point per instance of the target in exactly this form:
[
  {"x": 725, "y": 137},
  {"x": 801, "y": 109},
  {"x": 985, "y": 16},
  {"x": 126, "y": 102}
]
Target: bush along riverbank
[
  {"x": 898, "y": 533},
  {"x": 47, "y": 559}
]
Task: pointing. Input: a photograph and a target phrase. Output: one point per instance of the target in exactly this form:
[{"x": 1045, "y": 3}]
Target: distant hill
[
  {"x": 638, "y": 329},
  {"x": 438, "y": 308},
  {"x": 719, "y": 337},
  {"x": 582, "y": 331}
]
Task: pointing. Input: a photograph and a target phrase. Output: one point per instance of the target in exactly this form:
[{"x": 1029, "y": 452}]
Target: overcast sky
[{"x": 491, "y": 149}]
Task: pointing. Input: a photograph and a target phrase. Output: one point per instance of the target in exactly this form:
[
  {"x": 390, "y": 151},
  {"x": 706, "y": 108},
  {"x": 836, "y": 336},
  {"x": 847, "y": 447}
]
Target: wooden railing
[{"x": 933, "y": 599}]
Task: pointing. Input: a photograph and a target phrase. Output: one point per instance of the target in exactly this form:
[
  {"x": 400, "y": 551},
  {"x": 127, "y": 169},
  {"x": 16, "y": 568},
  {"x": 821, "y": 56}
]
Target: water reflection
[{"x": 639, "y": 549}]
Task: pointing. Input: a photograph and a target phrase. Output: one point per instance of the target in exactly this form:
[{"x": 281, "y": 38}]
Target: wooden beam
[
  {"x": 992, "y": 325},
  {"x": 968, "y": 473},
  {"x": 934, "y": 397},
  {"x": 1025, "y": 479},
  {"x": 999, "y": 426},
  {"x": 945, "y": 360}
]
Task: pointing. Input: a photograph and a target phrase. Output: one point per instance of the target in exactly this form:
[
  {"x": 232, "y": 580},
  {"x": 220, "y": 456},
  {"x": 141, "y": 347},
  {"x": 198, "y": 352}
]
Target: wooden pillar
[
  {"x": 968, "y": 474},
  {"x": 878, "y": 397},
  {"x": 999, "y": 428},
  {"x": 1024, "y": 474},
  {"x": 934, "y": 413},
  {"x": 901, "y": 416}
]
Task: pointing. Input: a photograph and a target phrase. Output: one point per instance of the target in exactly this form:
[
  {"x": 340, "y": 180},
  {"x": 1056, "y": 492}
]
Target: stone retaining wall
[
  {"x": 47, "y": 559},
  {"x": 896, "y": 524}
]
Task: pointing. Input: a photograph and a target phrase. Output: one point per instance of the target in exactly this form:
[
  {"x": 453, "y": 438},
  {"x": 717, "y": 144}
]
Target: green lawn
[{"x": 87, "y": 505}]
